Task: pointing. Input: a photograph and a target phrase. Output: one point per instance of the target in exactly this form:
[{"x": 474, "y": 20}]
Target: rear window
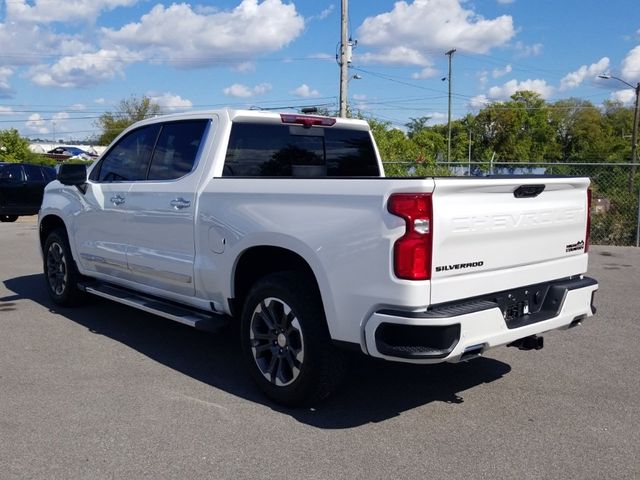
[{"x": 262, "y": 150}]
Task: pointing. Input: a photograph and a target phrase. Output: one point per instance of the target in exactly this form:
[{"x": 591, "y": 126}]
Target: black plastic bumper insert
[{"x": 416, "y": 341}]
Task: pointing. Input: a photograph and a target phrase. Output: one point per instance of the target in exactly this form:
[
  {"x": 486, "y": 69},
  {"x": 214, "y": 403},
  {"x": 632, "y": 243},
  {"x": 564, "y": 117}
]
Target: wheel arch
[
  {"x": 257, "y": 262},
  {"x": 48, "y": 224}
]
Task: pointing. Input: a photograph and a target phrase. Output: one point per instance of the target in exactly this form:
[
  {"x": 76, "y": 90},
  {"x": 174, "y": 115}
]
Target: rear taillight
[
  {"x": 412, "y": 252},
  {"x": 588, "y": 234}
]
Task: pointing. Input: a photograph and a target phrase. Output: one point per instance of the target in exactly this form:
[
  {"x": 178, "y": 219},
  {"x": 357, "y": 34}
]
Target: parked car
[
  {"x": 71, "y": 153},
  {"x": 21, "y": 189}
]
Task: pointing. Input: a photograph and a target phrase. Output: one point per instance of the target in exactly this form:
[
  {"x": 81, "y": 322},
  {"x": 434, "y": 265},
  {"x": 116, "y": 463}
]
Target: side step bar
[{"x": 201, "y": 320}]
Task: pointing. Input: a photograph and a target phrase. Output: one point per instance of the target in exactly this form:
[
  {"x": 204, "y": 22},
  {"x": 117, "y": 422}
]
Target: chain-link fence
[{"x": 615, "y": 213}]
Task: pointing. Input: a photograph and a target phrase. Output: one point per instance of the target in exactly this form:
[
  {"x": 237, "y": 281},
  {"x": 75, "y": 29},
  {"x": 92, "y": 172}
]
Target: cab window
[
  {"x": 129, "y": 159},
  {"x": 175, "y": 153}
]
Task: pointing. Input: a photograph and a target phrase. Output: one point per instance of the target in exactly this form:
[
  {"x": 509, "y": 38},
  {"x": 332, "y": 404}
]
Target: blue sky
[{"x": 63, "y": 63}]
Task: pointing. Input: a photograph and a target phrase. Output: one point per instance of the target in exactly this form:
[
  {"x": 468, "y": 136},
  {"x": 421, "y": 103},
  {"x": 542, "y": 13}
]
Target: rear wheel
[
  {"x": 286, "y": 343},
  {"x": 8, "y": 218},
  {"x": 60, "y": 272}
]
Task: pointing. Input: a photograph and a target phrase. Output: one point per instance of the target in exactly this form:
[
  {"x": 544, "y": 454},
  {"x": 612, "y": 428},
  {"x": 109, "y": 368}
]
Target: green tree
[
  {"x": 518, "y": 130},
  {"x": 416, "y": 125},
  {"x": 130, "y": 110},
  {"x": 582, "y": 133},
  {"x": 620, "y": 122},
  {"x": 429, "y": 144},
  {"x": 14, "y": 148}
]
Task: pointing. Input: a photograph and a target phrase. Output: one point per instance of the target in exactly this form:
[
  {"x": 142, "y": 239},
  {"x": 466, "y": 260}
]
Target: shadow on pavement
[{"x": 374, "y": 390}]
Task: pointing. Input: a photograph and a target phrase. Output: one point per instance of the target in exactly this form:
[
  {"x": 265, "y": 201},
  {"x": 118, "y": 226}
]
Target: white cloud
[
  {"x": 60, "y": 116},
  {"x": 244, "y": 67},
  {"x": 36, "y": 123},
  {"x": 399, "y": 55},
  {"x": 186, "y": 38},
  {"x": 78, "y": 107},
  {"x": 59, "y": 123},
  {"x": 501, "y": 72},
  {"x": 426, "y": 72},
  {"x": 479, "y": 101},
  {"x": 512, "y": 86},
  {"x": 626, "y": 97},
  {"x": 438, "y": 24},
  {"x": 574, "y": 79},
  {"x": 506, "y": 2},
  {"x": 5, "y": 86},
  {"x": 631, "y": 65},
  {"x": 483, "y": 78},
  {"x": 46, "y": 11},
  {"x": 323, "y": 14},
  {"x": 305, "y": 91},
  {"x": 6, "y": 110},
  {"x": 242, "y": 91},
  {"x": 82, "y": 70},
  {"x": 171, "y": 102},
  {"x": 523, "y": 50},
  {"x": 436, "y": 117},
  {"x": 25, "y": 40},
  {"x": 206, "y": 9},
  {"x": 359, "y": 97},
  {"x": 262, "y": 88}
]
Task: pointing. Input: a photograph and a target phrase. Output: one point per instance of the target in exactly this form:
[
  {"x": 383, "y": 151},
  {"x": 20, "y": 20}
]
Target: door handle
[
  {"x": 117, "y": 200},
  {"x": 180, "y": 203}
]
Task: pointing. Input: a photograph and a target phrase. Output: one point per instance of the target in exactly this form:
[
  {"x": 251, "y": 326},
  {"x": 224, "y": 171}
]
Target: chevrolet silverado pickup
[{"x": 286, "y": 224}]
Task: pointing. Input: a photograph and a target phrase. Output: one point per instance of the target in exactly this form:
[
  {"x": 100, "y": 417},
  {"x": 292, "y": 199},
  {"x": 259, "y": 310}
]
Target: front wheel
[
  {"x": 60, "y": 272},
  {"x": 286, "y": 342},
  {"x": 8, "y": 218}
]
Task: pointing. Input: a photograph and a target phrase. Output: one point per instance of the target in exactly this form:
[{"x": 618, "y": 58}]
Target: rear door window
[
  {"x": 263, "y": 150},
  {"x": 176, "y": 150}
]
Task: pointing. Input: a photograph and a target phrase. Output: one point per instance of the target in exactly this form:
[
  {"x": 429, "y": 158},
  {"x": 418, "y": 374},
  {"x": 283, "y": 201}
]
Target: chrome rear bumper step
[{"x": 201, "y": 320}]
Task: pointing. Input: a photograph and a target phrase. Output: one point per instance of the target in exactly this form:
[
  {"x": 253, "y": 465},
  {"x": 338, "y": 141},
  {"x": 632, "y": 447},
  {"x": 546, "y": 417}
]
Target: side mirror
[{"x": 72, "y": 174}]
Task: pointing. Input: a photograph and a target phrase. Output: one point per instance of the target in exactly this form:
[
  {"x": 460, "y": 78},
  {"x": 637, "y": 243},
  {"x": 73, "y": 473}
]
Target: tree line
[{"x": 525, "y": 129}]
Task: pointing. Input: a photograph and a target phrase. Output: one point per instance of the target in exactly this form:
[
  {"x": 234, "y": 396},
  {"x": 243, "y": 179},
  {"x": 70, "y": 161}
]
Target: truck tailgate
[{"x": 495, "y": 234}]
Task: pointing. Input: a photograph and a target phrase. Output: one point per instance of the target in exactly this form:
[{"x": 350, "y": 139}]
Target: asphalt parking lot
[{"x": 105, "y": 391}]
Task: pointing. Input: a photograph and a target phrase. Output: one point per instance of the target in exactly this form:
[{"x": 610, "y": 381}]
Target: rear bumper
[{"x": 450, "y": 332}]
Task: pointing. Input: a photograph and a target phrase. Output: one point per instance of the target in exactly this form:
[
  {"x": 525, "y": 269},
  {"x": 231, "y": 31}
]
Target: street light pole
[{"x": 634, "y": 134}]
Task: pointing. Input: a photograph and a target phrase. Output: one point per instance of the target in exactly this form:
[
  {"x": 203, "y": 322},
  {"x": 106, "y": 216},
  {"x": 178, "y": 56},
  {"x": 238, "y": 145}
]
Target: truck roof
[{"x": 259, "y": 116}]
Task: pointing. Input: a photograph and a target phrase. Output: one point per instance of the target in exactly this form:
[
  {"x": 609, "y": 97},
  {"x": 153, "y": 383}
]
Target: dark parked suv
[{"x": 21, "y": 189}]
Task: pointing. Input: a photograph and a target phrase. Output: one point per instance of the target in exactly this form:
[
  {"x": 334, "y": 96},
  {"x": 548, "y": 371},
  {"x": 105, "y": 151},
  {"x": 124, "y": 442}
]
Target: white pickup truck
[{"x": 286, "y": 224}]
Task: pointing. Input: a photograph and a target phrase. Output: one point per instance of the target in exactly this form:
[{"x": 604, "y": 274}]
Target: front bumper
[{"x": 449, "y": 333}]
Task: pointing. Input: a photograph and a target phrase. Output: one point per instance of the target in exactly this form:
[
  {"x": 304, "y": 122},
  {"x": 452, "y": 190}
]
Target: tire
[
  {"x": 285, "y": 341},
  {"x": 60, "y": 271},
  {"x": 8, "y": 218}
]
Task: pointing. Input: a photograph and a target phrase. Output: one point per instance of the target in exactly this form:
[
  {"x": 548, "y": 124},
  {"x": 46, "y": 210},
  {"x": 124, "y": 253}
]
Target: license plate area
[{"x": 522, "y": 306}]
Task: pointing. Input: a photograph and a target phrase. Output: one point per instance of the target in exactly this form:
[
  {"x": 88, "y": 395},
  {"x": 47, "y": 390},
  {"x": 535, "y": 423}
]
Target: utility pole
[
  {"x": 344, "y": 64},
  {"x": 450, "y": 55}
]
